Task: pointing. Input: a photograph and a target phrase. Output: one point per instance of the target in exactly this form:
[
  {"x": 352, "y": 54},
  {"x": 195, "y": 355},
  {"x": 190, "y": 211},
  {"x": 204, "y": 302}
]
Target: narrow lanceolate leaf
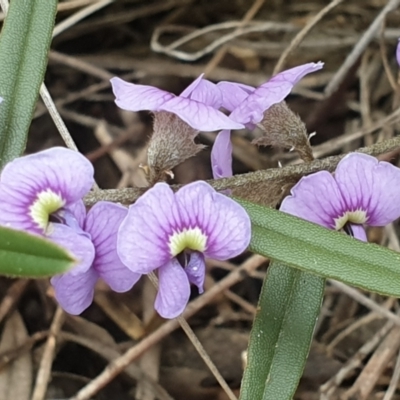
[
  {"x": 312, "y": 248},
  {"x": 29, "y": 256},
  {"x": 24, "y": 44},
  {"x": 281, "y": 336}
]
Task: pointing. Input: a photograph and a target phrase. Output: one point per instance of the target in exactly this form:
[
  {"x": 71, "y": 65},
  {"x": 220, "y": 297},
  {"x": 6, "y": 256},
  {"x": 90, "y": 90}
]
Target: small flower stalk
[
  {"x": 173, "y": 233},
  {"x": 363, "y": 191}
]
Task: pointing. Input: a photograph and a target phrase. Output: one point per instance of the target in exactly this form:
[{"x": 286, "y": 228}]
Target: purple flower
[
  {"x": 221, "y": 155},
  {"x": 42, "y": 194},
  {"x": 398, "y": 52},
  {"x": 197, "y": 105},
  {"x": 248, "y": 104},
  {"x": 363, "y": 191},
  {"x": 174, "y": 232}
]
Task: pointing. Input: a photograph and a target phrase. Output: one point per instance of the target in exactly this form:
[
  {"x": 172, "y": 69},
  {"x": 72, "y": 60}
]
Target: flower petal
[
  {"x": 103, "y": 222},
  {"x": 233, "y": 94},
  {"x": 316, "y": 198},
  {"x": 203, "y": 91},
  {"x": 134, "y": 97},
  {"x": 143, "y": 236},
  {"x": 252, "y": 109},
  {"x": 75, "y": 293},
  {"x": 173, "y": 291},
  {"x": 398, "y": 53},
  {"x": 358, "y": 232},
  {"x": 64, "y": 172},
  {"x": 198, "y": 115},
  {"x": 77, "y": 242},
  {"x": 371, "y": 186},
  {"x": 224, "y": 222},
  {"x": 196, "y": 270},
  {"x": 221, "y": 155}
]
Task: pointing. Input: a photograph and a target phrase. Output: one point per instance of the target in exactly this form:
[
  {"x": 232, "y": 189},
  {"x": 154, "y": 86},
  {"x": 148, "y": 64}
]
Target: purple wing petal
[
  {"x": 398, "y": 53},
  {"x": 358, "y": 231},
  {"x": 189, "y": 90},
  {"x": 233, "y": 94},
  {"x": 133, "y": 97},
  {"x": 196, "y": 270},
  {"x": 317, "y": 199},
  {"x": 224, "y": 222},
  {"x": 103, "y": 222},
  {"x": 74, "y": 293},
  {"x": 173, "y": 291},
  {"x": 207, "y": 93},
  {"x": 221, "y": 155},
  {"x": 198, "y": 115},
  {"x": 62, "y": 171},
  {"x": 274, "y": 91},
  {"x": 143, "y": 236},
  {"x": 371, "y": 186},
  {"x": 77, "y": 242}
]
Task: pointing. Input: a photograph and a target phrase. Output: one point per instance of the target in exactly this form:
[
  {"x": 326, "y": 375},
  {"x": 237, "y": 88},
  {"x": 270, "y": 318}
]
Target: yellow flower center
[
  {"x": 46, "y": 203},
  {"x": 192, "y": 238},
  {"x": 354, "y": 217}
]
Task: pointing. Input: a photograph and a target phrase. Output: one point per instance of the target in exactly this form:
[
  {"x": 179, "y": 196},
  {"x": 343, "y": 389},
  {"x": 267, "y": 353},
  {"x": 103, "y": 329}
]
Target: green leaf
[
  {"x": 29, "y": 256},
  {"x": 312, "y": 248},
  {"x": 282, "y": 332},
  {"x": 24, "y": 44}
]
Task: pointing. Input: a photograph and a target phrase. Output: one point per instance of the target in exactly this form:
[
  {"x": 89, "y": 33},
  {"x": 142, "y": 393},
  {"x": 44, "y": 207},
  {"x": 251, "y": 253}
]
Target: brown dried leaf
[
  {"x": 171, "y": 144},
  {"x": 285, "y": 129},
  {"x": 16, "y": 377}
]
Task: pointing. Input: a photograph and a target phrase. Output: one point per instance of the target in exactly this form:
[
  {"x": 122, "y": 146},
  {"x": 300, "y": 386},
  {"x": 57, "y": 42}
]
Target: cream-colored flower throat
[
  {"x": 192, "y": 238},
  {"x": 46, "y": 203},
  {"x": 353, "y": 217}
]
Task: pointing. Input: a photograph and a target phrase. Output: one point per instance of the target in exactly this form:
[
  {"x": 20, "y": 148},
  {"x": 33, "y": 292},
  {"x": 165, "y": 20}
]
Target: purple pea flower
[
  {"x": 398, "y": 52},
  {"x": 197, "y": 105},
  {"x": 174, "y": 232},
  {"x": 42, "y": 194},
  {"x": 248, "y": 104},
  {"x": 363, "y": 191}
]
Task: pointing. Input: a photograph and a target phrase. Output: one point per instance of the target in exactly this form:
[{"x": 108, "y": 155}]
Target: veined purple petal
[
  {"x": 134, "y": 97},
  {"x": 316, "y": 198},
  {"x": 75, "y": 293},
  {"x": 196, "y": 270},
  {"x": 77, "y": 242},
  {"x": 61, "y": 171},
  {"x": 173, "y": 291},
  {"x": 78, "y": 209},
  {"x": 143, "y": 236},
  {"x": 252, "y": 109},
  {"x": 233, "y": 94},
  {"x": 371, "y": 186},
  {"x": 102, "y": 222},
  {"x": 203, "y": 91},
  {"x": 221, "y": 155},
  {"x": 198, "y": 115},
  {"x": 358, "y": 232},
  {"x": 224, "y": 222}
]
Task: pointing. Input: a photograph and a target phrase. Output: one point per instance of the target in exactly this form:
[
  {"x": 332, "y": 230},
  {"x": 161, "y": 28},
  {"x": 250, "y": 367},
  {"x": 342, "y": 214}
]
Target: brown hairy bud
[
  {"x": 285, "y": 129},
  {"x": 171, "y": 144}
]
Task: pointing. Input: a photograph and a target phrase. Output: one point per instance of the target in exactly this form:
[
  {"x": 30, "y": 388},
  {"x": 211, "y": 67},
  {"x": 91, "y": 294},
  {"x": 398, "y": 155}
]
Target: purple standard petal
[
  {"x": 143, "y": 236},
  {"x": 203, "y": 91},
  {"x": 133, "y": 97},
  {"x": 398, "y": 53},
  {"x": 224, "y": 222},
  {"x": 75, "y": 293},
  {"x": 369, "y": 185},
  {"x": 103, "y": 222},
  {"x": 198, "y": 115},
  {"x": 221, "y": 155},
  {"x": 317, "y": 199},
  {"x": 233, "y": 94},
  {"x": 77, "y": 242},
  {"x": 173, "y": 291},
  {"x": 196, "y": 270},
  {"x": 252, "y": 109},
  {"x": 59, "y": 172}
]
